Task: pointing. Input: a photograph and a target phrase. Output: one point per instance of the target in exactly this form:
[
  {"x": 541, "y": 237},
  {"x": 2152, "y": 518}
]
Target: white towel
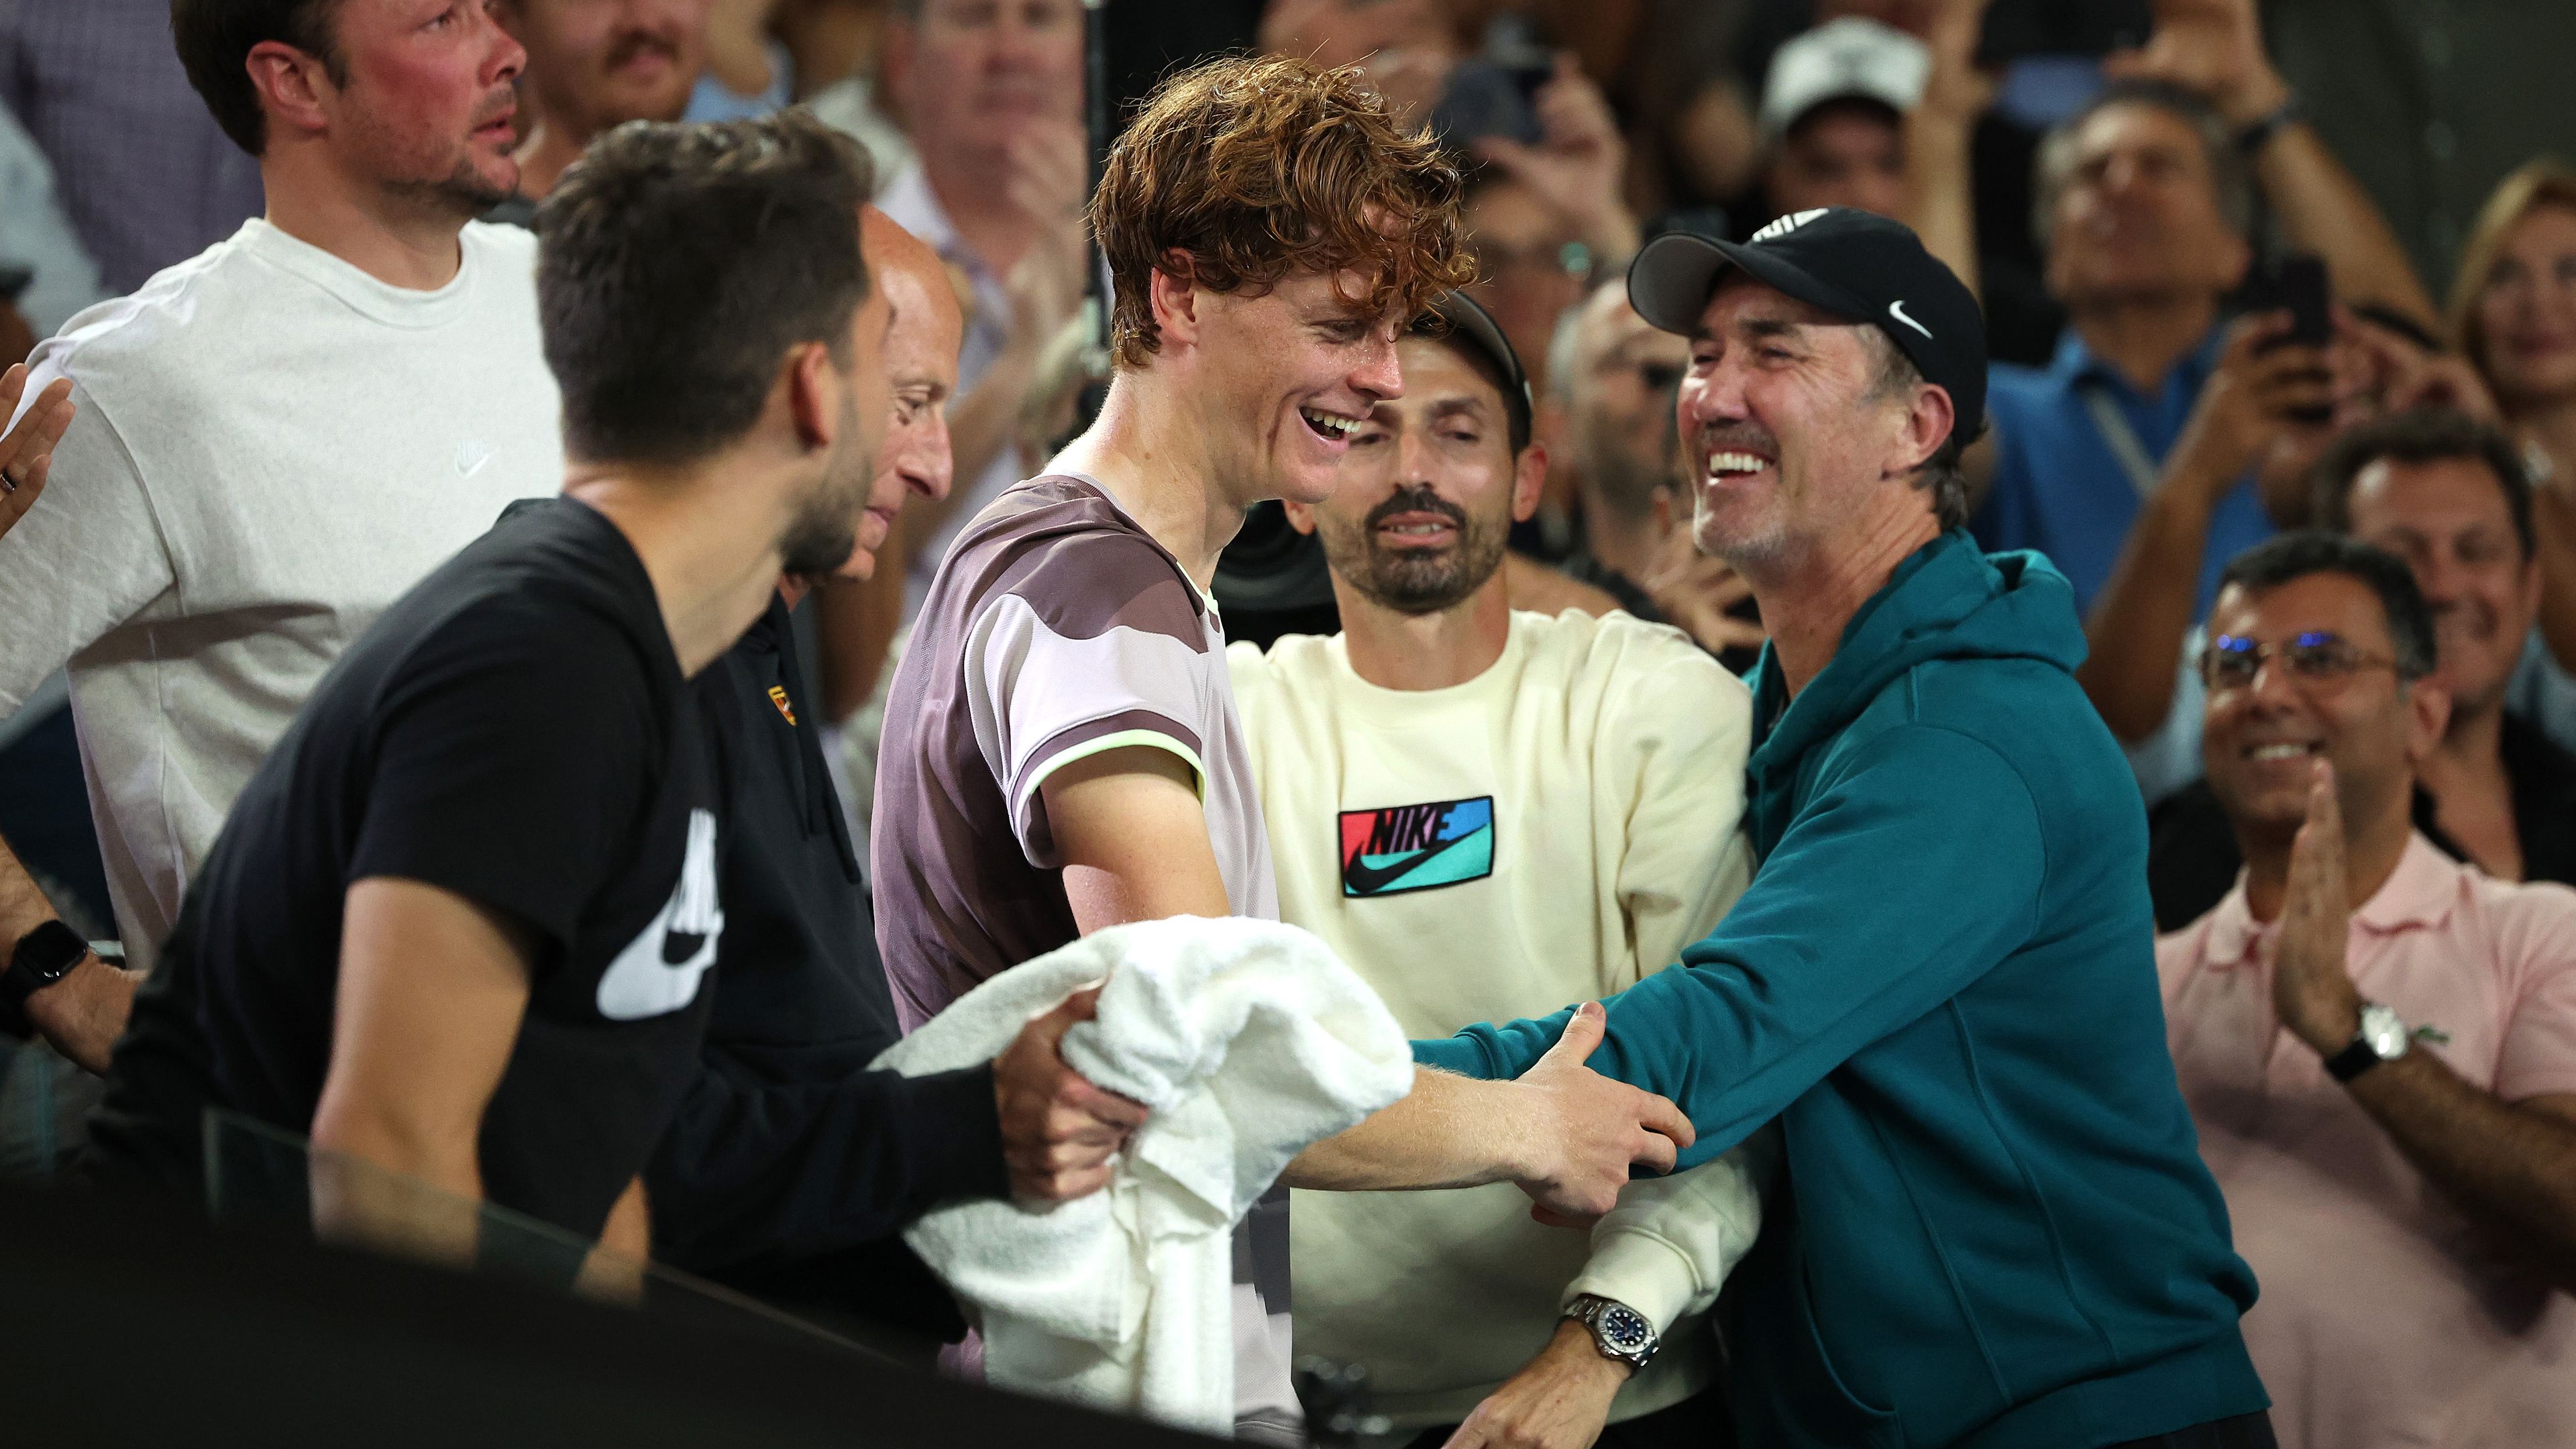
[{"x": 1249, "y": 1040}]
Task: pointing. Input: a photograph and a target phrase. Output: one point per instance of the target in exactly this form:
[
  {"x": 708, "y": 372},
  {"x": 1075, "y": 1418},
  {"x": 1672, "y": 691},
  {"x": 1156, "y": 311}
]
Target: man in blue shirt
[{"x": 2146, "y": 198}]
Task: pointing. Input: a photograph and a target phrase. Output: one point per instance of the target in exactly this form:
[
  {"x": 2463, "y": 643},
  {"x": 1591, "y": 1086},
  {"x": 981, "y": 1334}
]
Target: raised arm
[
  {"x": 2134, "y": 635},
  {"x": 2215, "y": 47}
]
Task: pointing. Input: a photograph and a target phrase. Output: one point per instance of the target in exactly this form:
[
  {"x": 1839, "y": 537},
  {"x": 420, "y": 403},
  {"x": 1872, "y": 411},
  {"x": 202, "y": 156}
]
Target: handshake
[{"x": 1568, "y": 1136}]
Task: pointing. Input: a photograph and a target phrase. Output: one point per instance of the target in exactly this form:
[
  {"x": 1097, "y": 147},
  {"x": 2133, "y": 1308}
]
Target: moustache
[
  {"x": 1735, "y": 437},
  {"x": 1417, "y": 499}
]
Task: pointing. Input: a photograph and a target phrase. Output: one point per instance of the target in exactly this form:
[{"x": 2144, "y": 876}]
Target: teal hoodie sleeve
[{"x": 1914, "y": 868}]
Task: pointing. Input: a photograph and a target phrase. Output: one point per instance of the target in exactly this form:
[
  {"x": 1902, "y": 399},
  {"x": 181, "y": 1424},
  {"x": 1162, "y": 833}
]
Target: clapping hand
[
  {"x": 2312, "y": 990},
  {"x": 27, "y": 452}
]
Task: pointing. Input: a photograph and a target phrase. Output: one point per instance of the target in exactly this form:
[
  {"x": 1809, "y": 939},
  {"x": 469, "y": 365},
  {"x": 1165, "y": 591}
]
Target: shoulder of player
[{"x": 1081, "y": 566}]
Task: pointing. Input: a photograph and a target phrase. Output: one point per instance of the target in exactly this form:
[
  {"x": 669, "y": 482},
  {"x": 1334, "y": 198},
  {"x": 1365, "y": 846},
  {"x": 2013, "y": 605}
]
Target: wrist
[
  {"x": 2328, "y": 1030},
  {"x": 1573, "y": 1354},
  {"x": 2263, "y": 95}
]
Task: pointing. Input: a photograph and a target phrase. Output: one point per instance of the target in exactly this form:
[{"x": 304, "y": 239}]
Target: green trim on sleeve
[{"x": 1153, "y": 739}]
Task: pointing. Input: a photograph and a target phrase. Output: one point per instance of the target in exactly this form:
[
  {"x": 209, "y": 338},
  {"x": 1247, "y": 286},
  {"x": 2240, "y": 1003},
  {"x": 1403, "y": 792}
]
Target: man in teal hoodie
[{"x": 1996, "y": 1230}]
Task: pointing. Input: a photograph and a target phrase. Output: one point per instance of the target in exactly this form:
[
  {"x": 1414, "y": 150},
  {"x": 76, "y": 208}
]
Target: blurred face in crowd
[
  {"x": 1430, "y": 488},
  {"x": 1789, "y": 441},
  {"x": 824, "y": 536},
  {"x": 971, "y": 74},
  {"x": 425, "y": 105},
  {"x": 1622, "y": 393},
  {"x": 1842, "y": 153},
  {"x": 2447, "y": 518},
  {"x": 593, "y": 64},
  {"x": 2527, "y": 310},
  {"x": 2260, "y": 740},
  {"x": 921, "y": 345},
  {"x": 1521, "y": 276},
  {"x": 2137, "y": 213}
]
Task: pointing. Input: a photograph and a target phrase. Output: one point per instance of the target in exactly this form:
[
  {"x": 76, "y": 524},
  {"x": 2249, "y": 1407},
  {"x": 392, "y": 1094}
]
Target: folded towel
[{"x": 1249, "y": 1040}]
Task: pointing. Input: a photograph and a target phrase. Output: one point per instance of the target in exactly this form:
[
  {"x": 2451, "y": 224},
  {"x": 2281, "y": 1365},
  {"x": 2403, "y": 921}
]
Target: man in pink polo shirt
[{"x": 2386, "y": 1091}]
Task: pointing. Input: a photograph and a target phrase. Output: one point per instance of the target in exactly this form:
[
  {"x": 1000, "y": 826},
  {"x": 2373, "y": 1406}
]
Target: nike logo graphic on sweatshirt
[{"x": 1399, "y": 848}]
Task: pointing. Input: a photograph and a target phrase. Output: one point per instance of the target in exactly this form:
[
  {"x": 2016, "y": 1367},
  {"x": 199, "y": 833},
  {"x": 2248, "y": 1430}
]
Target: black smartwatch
[{"x": 44, "y": 956}]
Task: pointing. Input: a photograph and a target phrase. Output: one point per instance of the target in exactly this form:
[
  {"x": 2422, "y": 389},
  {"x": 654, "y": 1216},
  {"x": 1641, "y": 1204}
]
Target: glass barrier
[{"x": 258, "y": 1174}]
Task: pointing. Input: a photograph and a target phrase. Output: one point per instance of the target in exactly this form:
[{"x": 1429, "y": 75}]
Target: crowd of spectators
[{"x": 2280, "y": 305}]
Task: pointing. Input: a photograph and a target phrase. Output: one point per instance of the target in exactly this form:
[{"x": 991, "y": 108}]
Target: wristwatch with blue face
[
  {"x": 2383, "y": 1038},
  {"x": 1618, "y": 1331}
]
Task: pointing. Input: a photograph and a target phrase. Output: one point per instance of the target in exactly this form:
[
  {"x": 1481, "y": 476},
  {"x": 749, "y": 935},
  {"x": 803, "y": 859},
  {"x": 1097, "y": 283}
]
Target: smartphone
[
  {"x": 2297, "y": 284},
  {"x": 14, "y": 277}
]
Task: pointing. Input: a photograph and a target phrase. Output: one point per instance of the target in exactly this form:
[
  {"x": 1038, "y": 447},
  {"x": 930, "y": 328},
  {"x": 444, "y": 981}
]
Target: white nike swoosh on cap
[{"x": 1897, "y": 311}]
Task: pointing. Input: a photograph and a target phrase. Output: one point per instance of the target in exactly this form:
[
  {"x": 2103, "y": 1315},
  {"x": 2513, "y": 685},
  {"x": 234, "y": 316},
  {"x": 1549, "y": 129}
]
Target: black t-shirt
[
  {"x": 515, "y": 729},
  {"x": 788, "y": 1151}
]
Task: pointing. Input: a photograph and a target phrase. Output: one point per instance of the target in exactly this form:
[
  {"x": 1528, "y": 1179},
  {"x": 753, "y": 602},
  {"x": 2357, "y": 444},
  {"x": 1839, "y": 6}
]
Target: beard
[
  {"x": 466, "y": 192},
  {"x": 1416, "y": 581},
  {"x": 824, "y": 531}
]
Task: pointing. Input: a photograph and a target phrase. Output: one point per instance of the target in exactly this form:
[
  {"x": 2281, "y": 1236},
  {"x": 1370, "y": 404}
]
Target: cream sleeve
[{"x": 1682, "y": 733}]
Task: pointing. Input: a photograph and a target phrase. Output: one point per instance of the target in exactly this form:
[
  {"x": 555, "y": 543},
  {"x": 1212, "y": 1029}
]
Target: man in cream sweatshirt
[{"x": 1488, "y": 813}]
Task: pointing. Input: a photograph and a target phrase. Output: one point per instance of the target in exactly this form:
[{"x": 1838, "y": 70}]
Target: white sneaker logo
[
  {"x": 1788, "y": 224},
  {"x": 1897, "y": 311},
  {"x": 470, "y": 458},
  {"x": 659, "y": 970}
]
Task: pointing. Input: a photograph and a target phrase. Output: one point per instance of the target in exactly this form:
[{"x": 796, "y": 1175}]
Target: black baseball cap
[
  {"x": 1853, "y": 264},
  {"x": 1456, "y": 317}
]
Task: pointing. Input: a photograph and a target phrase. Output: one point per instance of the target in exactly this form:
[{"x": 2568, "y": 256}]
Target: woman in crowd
[{"x": 2513, "y": 316}]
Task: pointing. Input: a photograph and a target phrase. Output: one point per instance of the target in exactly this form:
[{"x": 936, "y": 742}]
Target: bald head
[{"x": 921, "y": 360}]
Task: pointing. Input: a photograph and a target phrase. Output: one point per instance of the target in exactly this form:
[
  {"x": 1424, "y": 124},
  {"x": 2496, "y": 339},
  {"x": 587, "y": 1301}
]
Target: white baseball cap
[{"x": 1850, "y": 58}]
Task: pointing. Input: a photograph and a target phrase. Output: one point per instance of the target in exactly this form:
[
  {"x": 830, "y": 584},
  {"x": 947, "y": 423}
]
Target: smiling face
[
  {"x": 2526, "y": 313},
  {"x": 2259, "y": 742},
  {"x": 593, "y": 64},
  {"x": 1430, "y": 487},
  {"x": 426, "y": 107},
  {"x": 1281, "y": 376},
  {"x": 2448, "y": 520},
  {"x": 2137, "y": 213},
  {"x": 1790, "y": 441}
]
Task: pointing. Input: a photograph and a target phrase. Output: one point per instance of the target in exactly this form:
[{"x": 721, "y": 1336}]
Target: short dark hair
[
  {"x": 2424, "y": 435},
  {"x": 678, "y": 264},
  {"x": 214, "y": 38},
  {"x": 2230, "y": 174},
  {"x": 1944, "y": 474},
  {"x": 2296, "y": 555}
]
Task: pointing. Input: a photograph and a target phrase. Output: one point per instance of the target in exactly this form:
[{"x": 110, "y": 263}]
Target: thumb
[{"x": 1582, "y": 1034}]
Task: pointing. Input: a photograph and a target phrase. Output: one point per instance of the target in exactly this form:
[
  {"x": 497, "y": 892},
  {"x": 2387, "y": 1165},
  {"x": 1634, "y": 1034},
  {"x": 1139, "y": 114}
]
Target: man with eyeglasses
[
  {"x": 2448, "y": 496},
  {"x": 2377, "y": 1042}
]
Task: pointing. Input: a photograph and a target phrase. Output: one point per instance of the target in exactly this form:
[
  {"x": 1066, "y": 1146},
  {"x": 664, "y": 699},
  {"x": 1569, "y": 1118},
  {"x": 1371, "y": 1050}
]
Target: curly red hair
[{"x": 1253, "y": 167}]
